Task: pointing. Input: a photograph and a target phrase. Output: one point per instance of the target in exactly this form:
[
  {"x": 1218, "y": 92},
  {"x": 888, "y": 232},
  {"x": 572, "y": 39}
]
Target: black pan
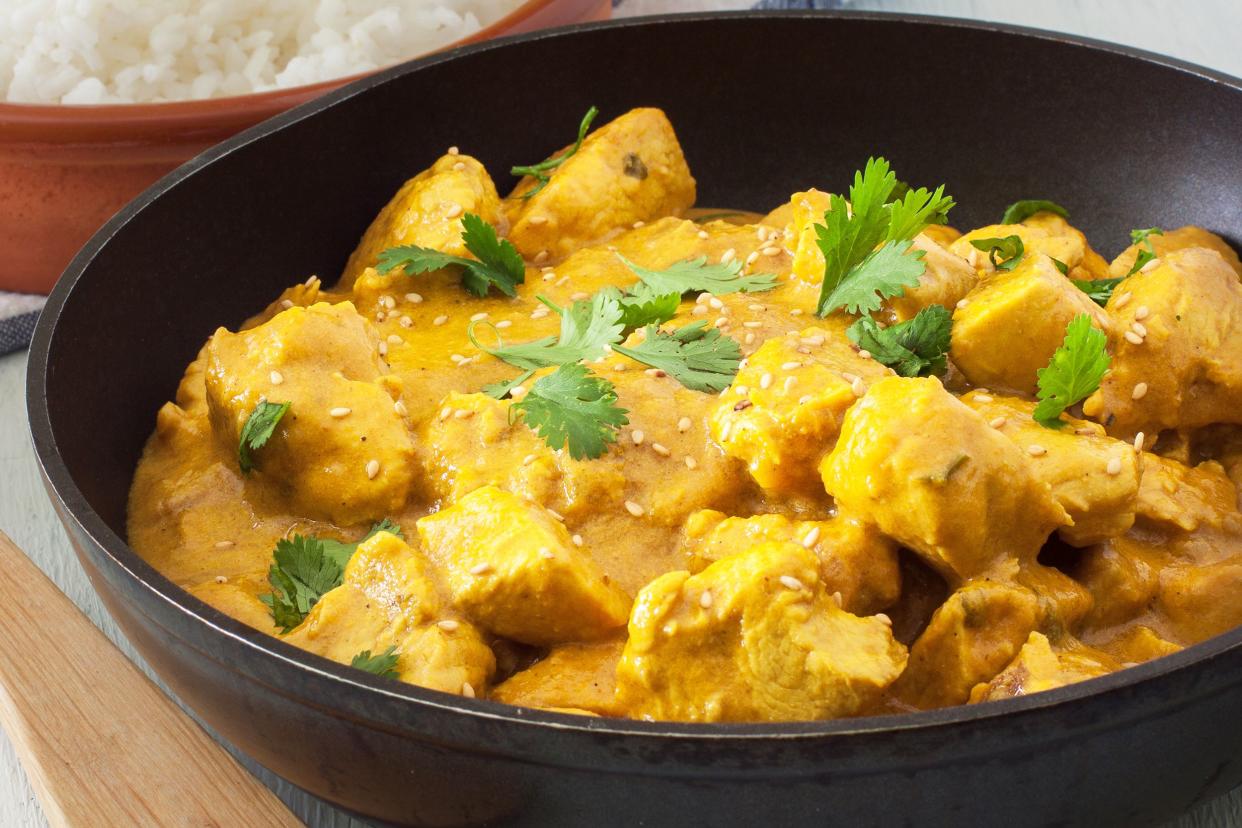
[{"x": 764, "y": 104}]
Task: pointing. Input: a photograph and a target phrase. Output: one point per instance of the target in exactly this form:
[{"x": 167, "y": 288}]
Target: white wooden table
[{"x": 1202, "y": 31}]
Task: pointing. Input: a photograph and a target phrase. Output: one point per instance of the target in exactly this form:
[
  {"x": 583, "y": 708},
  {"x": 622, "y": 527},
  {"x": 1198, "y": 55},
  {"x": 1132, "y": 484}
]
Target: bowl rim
[{"x": 65, "y": 492}]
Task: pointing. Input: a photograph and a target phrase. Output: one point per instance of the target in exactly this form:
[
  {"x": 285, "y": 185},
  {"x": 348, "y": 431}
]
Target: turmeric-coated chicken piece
[
  {"x": 513, "y": 568},
  {"x": 427, "y": 212},
  {"x": 1137, "y": 644},
  {"x": 341, "y": 452},
  {"x": 1008, "y": 327},
  {"x": 857, "y": 562},
  {"x": 754, "y": 636},
  {"x": 932, "y": 474},
  {"x": 784, "y": 409},
  {"x": 1174, "y": 496},
  {"x": 581, "y": 675},
  {"x": 1043, "y": 232},
  {"x": 1175, "y": 344},
  {"x": 1040, "y": 666},
  {"x": 387, "y": 598},
  {"x": 1094, "y": 477},
  {"x": 1179, "y": 239},
  {"x": 1199, "y": 599},
  {"x": 629, "y": 170}
]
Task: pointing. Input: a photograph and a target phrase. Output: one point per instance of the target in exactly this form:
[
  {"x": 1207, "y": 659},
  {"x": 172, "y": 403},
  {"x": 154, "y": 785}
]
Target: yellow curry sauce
[{"x": 825, "y": 538}]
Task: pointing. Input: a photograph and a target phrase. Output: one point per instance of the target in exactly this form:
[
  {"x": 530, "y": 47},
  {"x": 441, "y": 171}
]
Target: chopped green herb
[
  {"x": 697, "y": 275},
  {"x": 940, "y": 216},
  {"x": 1020, "y": 211},
  {"x": 500, "y": 390},
  {"x": 540, "y": 172},
  {"x": 1061, "y": 266},
  {"x": 914, "y": 348},
  {"x": 497, "y": 262},
  {"x": 341, "y": 552},
  {"x": 1146, "y": 251},
  {"x": 642, "y": 305},
  {"x": 573, "y": 408},
  {"x": 699, "y": 358},
  {"x": 1005, "y": 253},
  {"x": 587, "y": 328},
  {"x": 383, "y": 665},
  {"x": 1098, "y": 290},
  {"x": 915, "y": 210},
  {"x": 1074, "y": 372},
  {"x": 259, "y": 427}
]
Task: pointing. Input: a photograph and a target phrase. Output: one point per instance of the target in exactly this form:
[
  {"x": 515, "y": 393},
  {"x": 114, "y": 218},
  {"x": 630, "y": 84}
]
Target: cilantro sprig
[
  {"x": 497, "y": 262},
  {"x": 502, "y": 389},
  {"x": 304, "y": 567},
  {"x": 643, "y": 305},
  {"x": 1146, "y": 251},
  {"x": 858, "y": 276},
  {"x": 1073, "y": 373},
  {"x": 588, "y": 327},
  {"x": 914, "y": 348},
  {"x": 1020, "y": 211},
  {"x": 383, "y": 665},
  {"x": 541, "y": 171},
  {"x": 697, "y": 275},
  {"x": 1005, "y": 254},
  {"x": 259, "y": 427},
  {"x": 571, "y": 408},
  {"x": 699, "y": 358},
  {"x": 1098, "y": 290}
]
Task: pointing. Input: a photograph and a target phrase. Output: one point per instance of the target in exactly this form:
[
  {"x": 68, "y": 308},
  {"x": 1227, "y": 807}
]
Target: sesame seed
[
  {"x": 1122, "y": 301},
  {"x": 742, "y": 405},
  {"x": 883, "y": 619},
  {"x": 858, "y": 387},
  {"x": 756, "y": 307},
  {"x": 539, "y": 313},
  {"x": 406, "y": 322},
  {"x": 459, "y": 166},
  {"x": 703, "y": 234},
  {"x": 1114, "y": 466},
  {"x": 725, "y": 431},
  {"x": 1140, "y": 391},
  {"x": 537, "y": 220},
  {"x": 809, "y": 539},
  {"x": 804, "y": 399},
  {"x": 478, "y": 317},
  {"x": 528, "y": 459},
  {"x": 454, "y": 151},
  {"x": 864, "y": 353},
  {"x": 660, "y": 450},
  {"x": 448, "y": 625},
  {"x": 771, "y": 251},
  {"x": 339, "y": 412},
  {"x": 467, "y": 690},
  {"x": 705, "y": 599},
  {"x": 637, "y": 224},
  {"x": 380, "y": 316},
  {"x": 814, "y": 341},
  {"x": 373, "y": 468},
  {"x": 961, "y": 303},
  {"x": 998, "y": 422},
  {"x": 439, "y": 320},
  {"x": 765, "y": 381},
  {"x": 727, "y": 256},
  {"x": 1139, "y": 328},
  {"x": 445, "y": 413},
  {"x": 504, "y": 323},
  {"x": 741, "y": 390},
  {"x": 749, "y": 339},
  {"x": 224, "y": 544},
  {"x": 388, "y": 302},
  {"x": 848, "y": 377},
  {"x": 555, "y": 514},
  {"x": 382, "y": 348},
  {"x": 752, "y": 324},
  {"x": 393, "y": 339},
  {"x": 750, "y": 259},
  {"x": 220, "y": 579},
  {"x": 1036, "y": 450},
  {"x": 1133, "y": 338},
  {"x": 414, "y": 298},
  {"x": 983, "y": 398},
  {"x": 715, "y": 303},
  {"x": 400, "y": 408},
  {"x": 703, "y": 297},
  {"x": 691, "y": 463},
  {"x": 286, "y": 303},
  {"x": 463, "y": 414},
  {"x": 561, "y": 282},
  {"x": 790, "y": 582},
  {"x": 655, "y": 372},
  {"x": 541, "y": 257},
  {"x": 457, "y": 358},
  {"x": 634, "y": 509},
  {"x": 481, "y": 568},
  {"x": 1152, "y": 265},
  {"x": 789, "y": 383},
  {"x": 620, "y": 366},
  {"x": 1138, "y": 441},
  {"x": 276, "y": 377},
  {"x": 453, "y": 211},
  {"x": 637, "y": 436},
  {"x": 577, "y": 540},
  {"x": 1142, "y": 312},
  {"x": 699, "y": 310},
  {"x": 546, "y": 553},
  {"x": 796, "y": 312},
  {"x": 683, "y": 425},
  {"x": 837, "y": 599},
  {"x": 722, "y": 322},
  {"x": 789, "y": 366}
]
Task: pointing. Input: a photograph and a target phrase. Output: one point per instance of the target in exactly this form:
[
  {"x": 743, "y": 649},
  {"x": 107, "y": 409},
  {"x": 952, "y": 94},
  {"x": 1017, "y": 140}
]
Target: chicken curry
[{"x": 585, "y": 448}]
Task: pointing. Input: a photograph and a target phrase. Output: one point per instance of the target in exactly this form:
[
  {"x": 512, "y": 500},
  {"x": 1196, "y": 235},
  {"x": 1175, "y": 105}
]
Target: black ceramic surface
[{"x": 764, "y": 105}]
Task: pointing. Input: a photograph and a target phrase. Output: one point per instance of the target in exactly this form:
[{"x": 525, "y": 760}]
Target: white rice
[{"x": 124, "y": 51}]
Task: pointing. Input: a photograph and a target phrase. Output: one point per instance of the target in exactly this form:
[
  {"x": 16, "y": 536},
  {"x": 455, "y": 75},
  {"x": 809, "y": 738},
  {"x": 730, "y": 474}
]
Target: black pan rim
[{"x": 65, "y": 492}]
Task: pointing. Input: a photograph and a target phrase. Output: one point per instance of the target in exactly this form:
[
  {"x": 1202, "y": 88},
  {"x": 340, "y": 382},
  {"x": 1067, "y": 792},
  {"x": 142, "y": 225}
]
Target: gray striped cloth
[{"x": 18, "y": 311}]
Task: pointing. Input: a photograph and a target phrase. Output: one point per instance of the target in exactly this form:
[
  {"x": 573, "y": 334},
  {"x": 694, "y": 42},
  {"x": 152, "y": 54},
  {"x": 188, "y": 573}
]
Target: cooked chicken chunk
[
  {"x": 1179, "y": 239},
  {"x": 1039, "y": 666},
  {"x": 582, "y": 676},
  {"x": 1043, "y": 232}
]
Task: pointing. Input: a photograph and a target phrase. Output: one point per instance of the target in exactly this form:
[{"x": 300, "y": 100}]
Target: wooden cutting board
[{"x": 101, "y": 744}]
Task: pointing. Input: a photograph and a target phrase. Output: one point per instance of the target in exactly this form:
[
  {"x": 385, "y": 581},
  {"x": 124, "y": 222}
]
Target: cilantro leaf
[
  {"x": 301, "y": 572},
  {"x": 914, "y": 348},
  {"x": 341, "y": 552},
  {"x": 1098, "y": 290},
  {"x": 883, "y": 273},
  {"x": 259, "y": 427},
  {"x": 698, "y": 358},
  {"x": 383, "y": 665},
  {"x": 915, "y": 210},
  {"x": 1146, "y": 251},
  {"x": 1005, "y": 253},
  {"x": 901, "y": 189},
  {"x": 500, "y": 390},
  {"x": 1074, "y": 371},
  {"x": 573, "y": 408},
  {"x": 697, "y": 275},
  {"x": 1063, "y": 267},
  {"x": 1020, "y": 211},
  {"x": 644, "y": 306},
  {"x": 587, "y": 328},
  {"x": 540, "y": 171},
  {"x": 497, "y": 262}
]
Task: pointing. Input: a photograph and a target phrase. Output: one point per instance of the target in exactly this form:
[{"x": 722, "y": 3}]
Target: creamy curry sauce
[{"x": 823, "y": 539}]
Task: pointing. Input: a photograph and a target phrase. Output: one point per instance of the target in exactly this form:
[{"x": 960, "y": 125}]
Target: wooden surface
[
  {"x": 1202, "y": 31},
  {"x": 99, "y": 742}
]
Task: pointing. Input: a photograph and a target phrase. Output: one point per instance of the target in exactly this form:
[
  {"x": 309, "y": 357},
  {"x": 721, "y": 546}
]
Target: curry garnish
[
  {"x": 1073, "y": 373},
  {"x": 497, "y": 262},
  {"x": 698, "y": 357},
  {"x": 259, "y": 427},
  {"x": 643, "y": 305},
  {"x": 915, "y": 348},
  {"x": 1020, "y": 211},
  {"x": 1061, "y": 266},
  {"x": 858, "y": 275},
  {"x": 571, "y": 408},
  {"x": 383, "y": 665},
  {"x": 1146, "y": 252},
  {"x": 540, "y": 172},
  {"x": 901, "y": 188},
  {"x": 1005, "y": 254},
  {"x": 697, "y": 275},
  {"x": 1098, "y": 290},
  {"x": 500, "y": 390},
  {"x": 588, "y": 327}
]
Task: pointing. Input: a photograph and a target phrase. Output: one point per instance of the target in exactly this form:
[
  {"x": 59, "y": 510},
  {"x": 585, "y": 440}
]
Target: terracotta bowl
[{"x": 64, "y": 170}]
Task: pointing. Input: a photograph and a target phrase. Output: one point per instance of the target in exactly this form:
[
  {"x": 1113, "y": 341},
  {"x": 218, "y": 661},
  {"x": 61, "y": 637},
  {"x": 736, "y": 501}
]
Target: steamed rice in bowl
[{"x": 128, "y": 51}]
